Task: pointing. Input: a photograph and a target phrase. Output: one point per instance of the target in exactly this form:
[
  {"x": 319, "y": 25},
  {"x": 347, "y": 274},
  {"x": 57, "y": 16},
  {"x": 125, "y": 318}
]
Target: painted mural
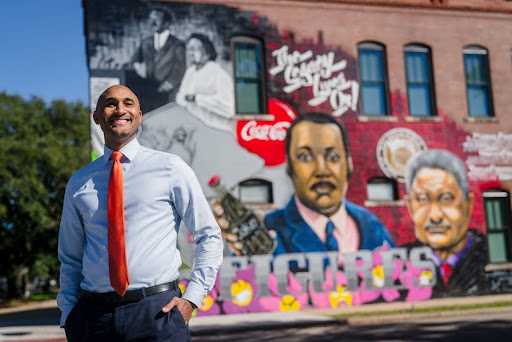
[{"x": 319, "y": 244}]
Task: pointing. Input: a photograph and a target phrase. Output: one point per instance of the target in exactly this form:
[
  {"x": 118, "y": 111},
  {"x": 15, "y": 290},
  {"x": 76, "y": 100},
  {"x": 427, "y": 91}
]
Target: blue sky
[{"x": 42, "y": 49}]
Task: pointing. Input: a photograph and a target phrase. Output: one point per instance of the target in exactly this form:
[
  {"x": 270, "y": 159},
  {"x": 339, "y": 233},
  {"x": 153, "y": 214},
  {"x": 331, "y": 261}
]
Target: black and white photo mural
[{"x": 176, "y": 57}]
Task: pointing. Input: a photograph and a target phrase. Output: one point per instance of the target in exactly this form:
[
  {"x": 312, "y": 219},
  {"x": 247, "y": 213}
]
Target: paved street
[
  {"x": 39, "y": 323},
  {"x": 475, "y": 326}
]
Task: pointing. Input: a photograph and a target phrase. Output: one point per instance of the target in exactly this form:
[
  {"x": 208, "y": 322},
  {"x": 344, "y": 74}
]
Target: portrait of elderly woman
[{"x": 206, "y": 90}]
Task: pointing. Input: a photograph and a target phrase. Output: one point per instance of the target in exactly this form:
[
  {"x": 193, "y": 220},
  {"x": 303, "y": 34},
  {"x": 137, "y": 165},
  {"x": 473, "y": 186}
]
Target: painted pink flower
[
  {"x": 417, "y": 281},
  {"x": 244, "y": 292},
  {"x": 388, "y": 295},
  {"x": 334, "y": 297}
]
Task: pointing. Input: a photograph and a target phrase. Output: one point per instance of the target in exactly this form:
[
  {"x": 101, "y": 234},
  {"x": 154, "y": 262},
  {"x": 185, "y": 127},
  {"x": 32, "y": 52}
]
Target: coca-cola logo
[
  {"x": 266, "y": 138},
  {"x": 252, "y": 130}
]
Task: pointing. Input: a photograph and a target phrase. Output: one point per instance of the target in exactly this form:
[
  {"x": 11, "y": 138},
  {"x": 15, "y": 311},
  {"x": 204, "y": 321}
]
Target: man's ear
[
  {"x": 407, "y": 201},
  {"x": 470, "y": 203},
  {"x": 350, "y": 167},
  {"x": 95, "y": 117}
]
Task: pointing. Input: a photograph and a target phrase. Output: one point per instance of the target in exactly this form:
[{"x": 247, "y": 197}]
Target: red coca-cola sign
[{"x": 266, "y": 138}]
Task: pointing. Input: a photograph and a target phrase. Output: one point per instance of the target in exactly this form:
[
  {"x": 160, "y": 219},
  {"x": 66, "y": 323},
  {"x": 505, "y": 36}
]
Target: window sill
[
  {"x": 260, "y": 117},
  {"x": 377, "y": 118},
  {"x": 498, "y": 267},
  {"x": 481, "y": 120},
  {"x": 423, "y": 119},
  {"x": 384, "y": 203}
]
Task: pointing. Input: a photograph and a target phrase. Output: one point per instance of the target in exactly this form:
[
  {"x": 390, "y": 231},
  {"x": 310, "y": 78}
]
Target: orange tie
[{"x": 117, "y": 264}]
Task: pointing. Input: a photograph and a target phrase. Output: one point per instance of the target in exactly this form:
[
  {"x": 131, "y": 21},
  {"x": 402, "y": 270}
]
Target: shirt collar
[
  {"x": 318, "y": 221},
  {"x": 453, "y": 259},
  {"x": 160, "y": 39},
  {"x": 129, "y": 150}
]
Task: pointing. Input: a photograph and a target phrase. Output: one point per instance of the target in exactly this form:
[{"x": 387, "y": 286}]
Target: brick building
[{"x": 403, "y": 77}]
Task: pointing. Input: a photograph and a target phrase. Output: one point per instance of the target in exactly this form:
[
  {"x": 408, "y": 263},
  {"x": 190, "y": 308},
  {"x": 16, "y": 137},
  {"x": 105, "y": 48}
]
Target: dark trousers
[{"x": 138, "y": 321}]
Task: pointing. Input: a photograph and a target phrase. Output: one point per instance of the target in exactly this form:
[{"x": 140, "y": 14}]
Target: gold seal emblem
[{"x": 394, "y": 150}]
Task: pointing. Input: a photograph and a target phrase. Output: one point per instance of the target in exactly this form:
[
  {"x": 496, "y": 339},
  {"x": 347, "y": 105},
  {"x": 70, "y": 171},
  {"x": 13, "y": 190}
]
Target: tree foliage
[{"x": 40, "y": 147}]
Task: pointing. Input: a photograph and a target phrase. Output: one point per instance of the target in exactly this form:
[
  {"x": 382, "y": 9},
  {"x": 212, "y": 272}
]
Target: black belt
[{"x": 113, "y": 298}]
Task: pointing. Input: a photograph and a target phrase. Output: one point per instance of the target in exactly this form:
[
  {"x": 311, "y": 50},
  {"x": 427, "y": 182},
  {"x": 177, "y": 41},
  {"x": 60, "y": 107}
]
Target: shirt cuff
[
  {"x": 66, "y": 310},
  {"x": 194, "y": 293}
]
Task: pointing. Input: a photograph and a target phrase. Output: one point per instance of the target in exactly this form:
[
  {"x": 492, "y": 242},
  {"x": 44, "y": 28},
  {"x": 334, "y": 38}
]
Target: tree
[{"x": 40, "y": 148}]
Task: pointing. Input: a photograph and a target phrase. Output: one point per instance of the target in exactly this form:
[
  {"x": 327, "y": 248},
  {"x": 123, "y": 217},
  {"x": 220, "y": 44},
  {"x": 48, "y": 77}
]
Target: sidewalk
[{"x": 365, "y": 314}]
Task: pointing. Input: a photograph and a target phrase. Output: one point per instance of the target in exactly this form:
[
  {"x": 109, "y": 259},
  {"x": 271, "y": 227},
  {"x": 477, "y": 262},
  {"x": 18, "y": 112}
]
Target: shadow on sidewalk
[{"x": 42, "y": 317}]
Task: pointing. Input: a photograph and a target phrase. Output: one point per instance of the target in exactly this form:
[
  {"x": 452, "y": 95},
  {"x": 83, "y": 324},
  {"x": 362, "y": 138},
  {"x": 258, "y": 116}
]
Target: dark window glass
[
  {"x": 478, "y": 88},
  {"x": 373, "y": 79},
  {"x": 248, "y": 75},
  {"x": 497, "y": 217},
  {"x": 420, "y": 90}
]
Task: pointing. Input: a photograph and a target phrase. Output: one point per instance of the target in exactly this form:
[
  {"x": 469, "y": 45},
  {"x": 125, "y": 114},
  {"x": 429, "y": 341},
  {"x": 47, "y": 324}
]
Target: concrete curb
[
  {"x": 254, "y": 321},
  {"x": 46, "y": 304},
  {"x": 452, "y": 315}
]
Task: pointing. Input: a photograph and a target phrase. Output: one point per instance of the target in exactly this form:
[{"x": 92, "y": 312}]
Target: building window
[
  {"x": 420, "y": 84},
  {"x": 373, "y": 78},
  {"x": 255, "y": 191},
  {"x": 382, "y": 189},
  {"x": 478, "y": 85},
  {"x": 249, "y": 75},
  {"x": 497, "y": 217}
]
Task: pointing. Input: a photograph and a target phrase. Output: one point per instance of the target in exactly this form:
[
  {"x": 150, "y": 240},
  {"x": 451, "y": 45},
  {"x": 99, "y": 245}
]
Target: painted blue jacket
[{"x": 294, "y": 235}]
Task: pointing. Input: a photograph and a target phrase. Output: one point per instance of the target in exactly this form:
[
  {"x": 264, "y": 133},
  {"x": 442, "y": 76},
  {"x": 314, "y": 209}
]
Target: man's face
[
  {"x": 318, "y": 166},
  {"x": 157, "y": 21},
  {"x": 438, "y": 208},
  {"x": 119, "y": 116}
]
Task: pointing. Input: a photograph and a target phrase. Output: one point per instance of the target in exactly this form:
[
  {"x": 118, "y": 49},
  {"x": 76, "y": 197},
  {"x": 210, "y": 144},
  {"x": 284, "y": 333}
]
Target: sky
[{"x": 42, "y": 50}]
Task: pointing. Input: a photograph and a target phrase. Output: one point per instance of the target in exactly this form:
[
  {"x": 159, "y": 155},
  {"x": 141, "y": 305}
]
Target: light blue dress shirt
[{"x": 160, "y": 190}]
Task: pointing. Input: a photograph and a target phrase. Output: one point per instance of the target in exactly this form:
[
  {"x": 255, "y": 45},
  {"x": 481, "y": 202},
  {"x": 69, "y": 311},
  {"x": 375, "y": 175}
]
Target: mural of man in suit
[
  {"x": 318, "y": 217},
  {"x": 159, "y": 62},
  {"x": 440, "y": 205}
]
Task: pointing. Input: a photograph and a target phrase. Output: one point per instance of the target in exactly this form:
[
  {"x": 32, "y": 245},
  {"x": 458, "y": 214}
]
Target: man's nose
[
  {"x": 120, "y": 109},
  {"x": 436, "y": 214},
  {"x": 321, "y": 166}
]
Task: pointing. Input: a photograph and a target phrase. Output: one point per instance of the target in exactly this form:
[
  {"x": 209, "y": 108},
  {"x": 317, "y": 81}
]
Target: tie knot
[
  {"x": 116, "y": 155},
  {"x": 329, "y": 229}
]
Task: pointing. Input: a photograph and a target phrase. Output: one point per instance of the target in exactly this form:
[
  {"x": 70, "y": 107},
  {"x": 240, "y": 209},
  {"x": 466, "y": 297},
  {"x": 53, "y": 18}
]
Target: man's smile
[{"x": 119, "y": 121}]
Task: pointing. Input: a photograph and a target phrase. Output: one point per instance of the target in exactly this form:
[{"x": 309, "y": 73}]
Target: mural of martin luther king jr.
[{"x": 318, "y": 217}]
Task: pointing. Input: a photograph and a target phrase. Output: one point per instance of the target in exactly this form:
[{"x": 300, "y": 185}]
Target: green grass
[
  {"x": 423, "y": 310},
  {"x": 42, "y": 296}
]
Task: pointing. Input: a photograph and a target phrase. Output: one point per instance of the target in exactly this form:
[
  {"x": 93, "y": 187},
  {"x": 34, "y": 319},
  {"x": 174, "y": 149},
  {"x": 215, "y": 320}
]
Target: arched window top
[
  {"x": 475, "y": 50},
  {"x": 417, "y": 47},
  {"x": 371, "y": 45}
]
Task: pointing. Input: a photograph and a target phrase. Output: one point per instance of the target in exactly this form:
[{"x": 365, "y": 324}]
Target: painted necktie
[
  {"x": 118, "y": 269},
  {"x": 330, "y": 241},
  {"x": 447, "y": 272}
]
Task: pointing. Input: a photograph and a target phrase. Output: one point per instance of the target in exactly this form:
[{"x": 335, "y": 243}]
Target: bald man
[{"x": 117, "y": 239}]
